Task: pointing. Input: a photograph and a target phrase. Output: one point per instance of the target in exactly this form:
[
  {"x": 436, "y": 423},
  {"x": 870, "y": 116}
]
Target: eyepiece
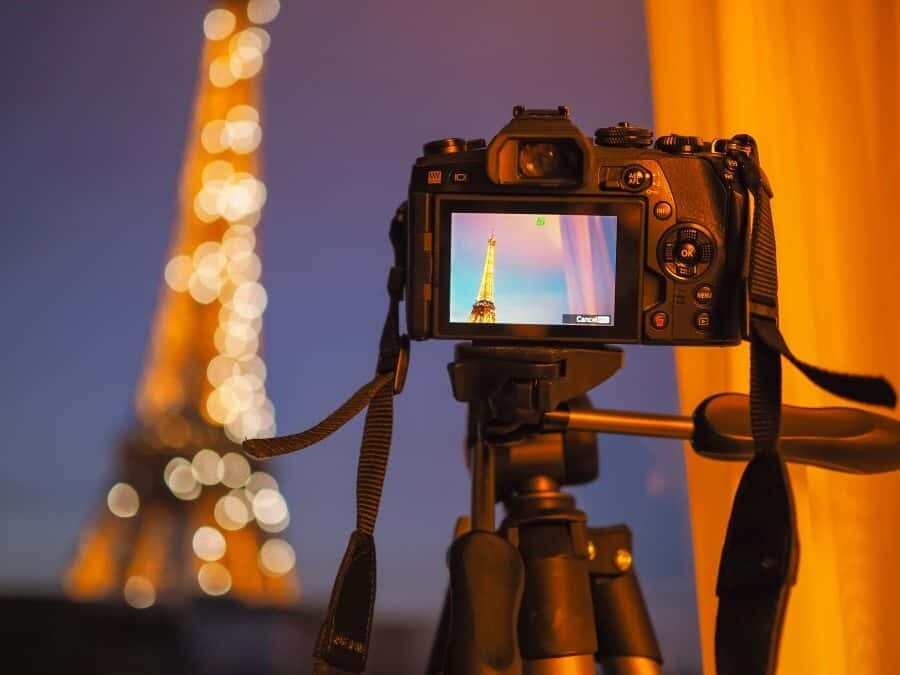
[
  {"x": 558, "y": 160},
  {"x": 539, "y": 148}
]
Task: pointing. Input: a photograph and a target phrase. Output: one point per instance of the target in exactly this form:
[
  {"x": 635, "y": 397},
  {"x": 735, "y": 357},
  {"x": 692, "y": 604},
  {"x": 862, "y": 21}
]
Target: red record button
[{"x": 659, "y": 320}]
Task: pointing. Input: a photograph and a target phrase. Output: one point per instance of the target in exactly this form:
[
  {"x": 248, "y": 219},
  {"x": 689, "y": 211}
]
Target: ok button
[{"x": 687, "y": 252}]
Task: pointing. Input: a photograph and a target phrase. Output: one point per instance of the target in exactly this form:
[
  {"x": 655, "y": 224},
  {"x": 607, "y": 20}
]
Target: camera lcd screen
[
  {"x": 525, "y": 268},
  {"x": 547, "y": 269}
]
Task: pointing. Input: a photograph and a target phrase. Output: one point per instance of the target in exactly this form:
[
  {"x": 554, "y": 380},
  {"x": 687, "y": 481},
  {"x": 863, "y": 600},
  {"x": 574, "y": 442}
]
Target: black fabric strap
[
  {"x": 343, "y": 643},
  {"x": 264, "y": 448},
  {"x": 760, "y": 554}
]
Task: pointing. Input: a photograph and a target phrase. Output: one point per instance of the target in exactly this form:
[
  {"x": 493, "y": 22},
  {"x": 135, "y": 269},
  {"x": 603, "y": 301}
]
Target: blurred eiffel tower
[{"x": 189, "y": 514}]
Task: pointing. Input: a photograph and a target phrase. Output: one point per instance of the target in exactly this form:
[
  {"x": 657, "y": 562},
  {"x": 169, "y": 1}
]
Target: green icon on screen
[{"x": 540, "y": 222}]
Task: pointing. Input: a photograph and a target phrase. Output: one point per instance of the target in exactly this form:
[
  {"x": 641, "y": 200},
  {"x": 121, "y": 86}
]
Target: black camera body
[{"x": 544, "y": 235}]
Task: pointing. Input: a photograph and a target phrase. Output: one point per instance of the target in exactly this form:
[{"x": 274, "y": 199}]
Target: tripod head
[{"x": 509, "y": 388}]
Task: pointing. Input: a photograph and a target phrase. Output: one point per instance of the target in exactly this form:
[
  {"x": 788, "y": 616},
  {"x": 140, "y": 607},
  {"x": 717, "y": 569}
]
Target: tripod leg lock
[
  {"x": 486, "y": 582},
  {"x": 623, "y": 623}
]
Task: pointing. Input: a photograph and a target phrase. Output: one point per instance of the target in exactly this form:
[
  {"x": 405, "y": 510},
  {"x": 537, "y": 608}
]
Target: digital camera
[{"x": 543, "y": 235}]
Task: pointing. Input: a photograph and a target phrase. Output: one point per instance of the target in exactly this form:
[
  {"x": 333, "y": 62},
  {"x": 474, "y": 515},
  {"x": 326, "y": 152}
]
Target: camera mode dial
[
  {"x": 686, "y": 251},
  {"x": 444, "y": 146},
  {"x": 679, "y": 145},
  {"x": 623, "y": 135}
]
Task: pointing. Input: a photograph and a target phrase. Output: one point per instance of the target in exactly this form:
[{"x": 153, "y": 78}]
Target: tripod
[{"x": 545, "y": 594}]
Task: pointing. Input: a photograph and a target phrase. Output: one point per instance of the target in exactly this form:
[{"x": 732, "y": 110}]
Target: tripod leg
[
  {"x": 556, "y": 624},
  {"x": 626, "y": 642},
  {"x": 439, "y": 647},
  {"x": 486, "y": 581}
]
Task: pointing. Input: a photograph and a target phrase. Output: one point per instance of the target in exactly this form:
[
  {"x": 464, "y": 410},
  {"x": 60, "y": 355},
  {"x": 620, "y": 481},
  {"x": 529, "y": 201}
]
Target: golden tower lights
[
  {"x": 190, "y": 515},
  {"x": 483, "y": 311}
]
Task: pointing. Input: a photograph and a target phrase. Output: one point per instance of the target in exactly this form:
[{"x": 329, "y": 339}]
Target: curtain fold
[{"x": 816, "y": 84}]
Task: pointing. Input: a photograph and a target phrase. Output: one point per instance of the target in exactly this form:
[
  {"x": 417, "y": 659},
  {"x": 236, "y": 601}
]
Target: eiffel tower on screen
[
  {"x": 187, "y": 515},
  {"x": 484, "y": 311}
]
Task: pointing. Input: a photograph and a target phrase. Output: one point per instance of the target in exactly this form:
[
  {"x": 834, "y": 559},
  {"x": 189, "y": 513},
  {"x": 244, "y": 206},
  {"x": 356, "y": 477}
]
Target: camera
[{"x": 545, "y": 235}]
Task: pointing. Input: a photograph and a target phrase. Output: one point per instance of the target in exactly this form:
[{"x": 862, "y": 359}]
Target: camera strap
[
  {"x": 343, "y": 642},
  {"x": 760, "y": 554}
]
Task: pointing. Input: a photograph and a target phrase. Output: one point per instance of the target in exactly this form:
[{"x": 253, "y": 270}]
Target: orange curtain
[{"x": 817, "y": 84}]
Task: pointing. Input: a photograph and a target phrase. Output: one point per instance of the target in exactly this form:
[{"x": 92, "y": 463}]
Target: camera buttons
[
  {"x": 623, "y": 135},
  {"x": 703, "y": 294},
  {"x": 662, "y": 210},
  {"x": 659, "y": 320},
  {"x": 459, "y": 176},
  {"x": 444, "y": 146},
  {"x": 636, "y": 178},
  {"x": 703, "y": 321},
  {"x": 686, "y": 252},
  {"x": 679, "y": 145}
]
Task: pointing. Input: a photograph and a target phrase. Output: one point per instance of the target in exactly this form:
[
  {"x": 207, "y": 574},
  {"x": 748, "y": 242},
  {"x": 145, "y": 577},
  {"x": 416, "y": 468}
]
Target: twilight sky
[{"x": 96, "y": 106}]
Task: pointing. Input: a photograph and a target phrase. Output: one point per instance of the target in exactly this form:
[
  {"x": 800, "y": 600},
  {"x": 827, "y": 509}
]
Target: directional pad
[{"x": 686, "y": 252}]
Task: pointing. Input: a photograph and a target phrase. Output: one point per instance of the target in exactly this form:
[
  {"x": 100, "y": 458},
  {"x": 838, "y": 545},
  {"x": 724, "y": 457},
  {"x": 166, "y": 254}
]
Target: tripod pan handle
[{"x": 840, "y": 439}]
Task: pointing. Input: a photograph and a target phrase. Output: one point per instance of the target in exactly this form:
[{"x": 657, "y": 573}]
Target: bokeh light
[
  {"x": 208, "y": 467},
  {"x": 208, "y": 543},
  {"x": 240, "y": 132},
  {"x": 214, "y": 578},
  {"x": 179, "y": 477},
  {"x": 269, "y": 507},
  {"x": 244, "y": 267},
  {"x": 238, "y": 238},
  {"x": 259, "y": 480},
  {"x": 276, "y": 557},
  {"x": 250, "y": 300},
  {"x": 203, "y": 290},
  {"x": 220, "y": 73},
  {"x": 237, "y": 470},
  {"x": 263, "y": 11},
  {"x": 123, "y": 500},
  {"x": 246, "y": 50},
  {"x": 178, "y": 272},
  {"x": 214, "y": 136},
  {"x": 228, "y": 195},
  {"x": 232, "y": 511},
  {"x": 218, "y": 169},
  {"x": 139, "y": 592},
  {"x": 218, "y": 24},
  {"x": 244, "y": 136}
]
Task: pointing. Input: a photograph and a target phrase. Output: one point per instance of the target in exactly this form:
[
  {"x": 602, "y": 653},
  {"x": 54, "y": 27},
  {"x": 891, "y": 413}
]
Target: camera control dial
[
  {"x": 686, "y": 251},
  {"x": 444, "y": 146},
  {"x": 679, "y": 145},
  {"x": 623, "y": 135}
]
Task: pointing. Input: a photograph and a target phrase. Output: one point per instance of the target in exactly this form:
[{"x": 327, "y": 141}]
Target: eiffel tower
[
  {"x": 188, "y": 515},
  {"x": 483, "y": 311}
]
